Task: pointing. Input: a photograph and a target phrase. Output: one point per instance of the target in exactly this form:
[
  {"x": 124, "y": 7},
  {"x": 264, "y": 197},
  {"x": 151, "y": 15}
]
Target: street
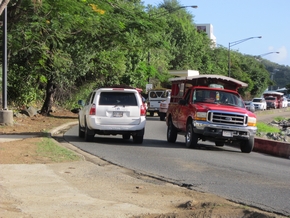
[{"x": 253, "y": 179}]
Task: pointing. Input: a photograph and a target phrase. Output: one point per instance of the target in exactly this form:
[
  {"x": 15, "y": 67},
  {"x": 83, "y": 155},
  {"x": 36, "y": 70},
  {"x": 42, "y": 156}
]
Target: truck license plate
[
  {"x": 117, "y": 114},
  {"x": 227, "y": 133}
]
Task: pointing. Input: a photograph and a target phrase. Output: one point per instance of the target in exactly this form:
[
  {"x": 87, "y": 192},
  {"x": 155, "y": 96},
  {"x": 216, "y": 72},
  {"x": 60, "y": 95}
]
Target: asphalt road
[{"x": 253, "y": 179}]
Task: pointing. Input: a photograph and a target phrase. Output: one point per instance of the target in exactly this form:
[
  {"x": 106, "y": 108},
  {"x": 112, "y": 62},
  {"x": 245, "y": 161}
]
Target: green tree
[{"x": 41, "y": 36}]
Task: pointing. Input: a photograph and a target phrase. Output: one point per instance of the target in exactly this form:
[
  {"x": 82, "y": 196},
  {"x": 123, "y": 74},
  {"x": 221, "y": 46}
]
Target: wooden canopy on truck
[
  {"x": 179, "y": 84},
  {"x": 207, "y": 79},
  {"x": 273, "y": 93}
]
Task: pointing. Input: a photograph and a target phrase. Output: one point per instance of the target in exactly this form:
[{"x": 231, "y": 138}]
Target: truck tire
[
  {"x": 191, "y": 138},
  {"x": 247, "y": 145},
  {"x": 89, "y": 134},
  {"x": 151, "y": 114},
  {"x": 162, "y": 116},
  {"x": 171, "y": 132}
]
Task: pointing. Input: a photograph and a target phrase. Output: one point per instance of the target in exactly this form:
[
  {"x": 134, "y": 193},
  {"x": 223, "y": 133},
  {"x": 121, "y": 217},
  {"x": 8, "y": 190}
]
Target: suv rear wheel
[
  {"x": 89, "y": 134},
  {"x": 138, "y": 139},
  {"x": 126, "y": 136},
  {"x": 81, "y": 132}
]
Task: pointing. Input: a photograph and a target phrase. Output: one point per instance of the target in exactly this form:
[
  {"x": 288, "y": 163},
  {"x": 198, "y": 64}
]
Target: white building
[{"x": 208, "y": 29}]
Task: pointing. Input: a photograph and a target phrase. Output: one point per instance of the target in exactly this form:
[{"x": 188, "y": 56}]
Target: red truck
[
  {"x": 274, "y": 99},
  {"x": 209, "y": 108}
]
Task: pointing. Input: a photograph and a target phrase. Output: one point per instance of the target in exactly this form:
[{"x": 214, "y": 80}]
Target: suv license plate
[
  {"x": 227, "y": 133},
  {"x": 117, "y": 114}
]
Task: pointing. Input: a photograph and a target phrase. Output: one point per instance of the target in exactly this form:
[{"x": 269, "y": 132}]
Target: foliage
[
  {"x": 58, "y": 47},
  {"x": 80, "y": 93},
  {"x": 279, "y": 74}
]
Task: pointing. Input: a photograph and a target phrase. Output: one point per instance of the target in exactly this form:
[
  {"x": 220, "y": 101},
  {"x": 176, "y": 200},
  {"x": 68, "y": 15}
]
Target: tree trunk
[
  {"x": 50, "y": 91},
  {"x": 3, "y": 5}
]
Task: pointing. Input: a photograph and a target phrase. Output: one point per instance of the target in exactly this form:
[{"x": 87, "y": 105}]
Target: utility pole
[{"x": 6, "y": 116}]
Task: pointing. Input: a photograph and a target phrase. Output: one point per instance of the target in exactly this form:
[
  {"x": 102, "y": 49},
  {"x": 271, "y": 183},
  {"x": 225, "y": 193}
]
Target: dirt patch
[{"x": 34, "y": 186}]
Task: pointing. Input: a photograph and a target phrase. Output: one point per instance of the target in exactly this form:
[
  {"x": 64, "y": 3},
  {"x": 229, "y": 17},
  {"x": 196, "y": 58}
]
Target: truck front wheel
[
  {"x": 171, "y": 132},
  {"x": 247, "y": 146},
  {"x": 191, "y": 138}
]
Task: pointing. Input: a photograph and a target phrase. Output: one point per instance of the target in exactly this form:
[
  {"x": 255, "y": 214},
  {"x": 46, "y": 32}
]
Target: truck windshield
[{"x": 217, "y": 97}]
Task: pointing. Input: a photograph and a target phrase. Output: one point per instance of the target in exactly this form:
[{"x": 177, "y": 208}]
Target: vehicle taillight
[
  {"x": 142, "y": 110},
  {"x": 93, "y": 110}
]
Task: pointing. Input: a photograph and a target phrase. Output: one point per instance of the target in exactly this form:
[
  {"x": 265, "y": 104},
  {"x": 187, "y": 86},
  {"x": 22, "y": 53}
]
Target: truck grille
[{"x": 218, "y": 117}]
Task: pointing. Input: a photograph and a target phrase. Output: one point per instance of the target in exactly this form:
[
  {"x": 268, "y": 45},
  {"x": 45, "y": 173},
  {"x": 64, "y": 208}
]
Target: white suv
[
  {"x": 260, "y": 103},
  {"x": 113, "y": 111}
]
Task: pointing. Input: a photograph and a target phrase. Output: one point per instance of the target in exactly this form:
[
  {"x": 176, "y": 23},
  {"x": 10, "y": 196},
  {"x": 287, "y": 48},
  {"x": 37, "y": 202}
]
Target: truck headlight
[
  {"x": 252, "y": 121},
  {"x": 200, "y": 116}
]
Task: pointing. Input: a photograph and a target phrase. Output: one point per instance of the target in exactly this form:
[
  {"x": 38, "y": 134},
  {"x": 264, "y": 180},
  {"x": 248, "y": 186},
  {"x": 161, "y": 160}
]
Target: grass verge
[
  {"x": 263, "y": 127},
  {"x": 50, "y": 149}
]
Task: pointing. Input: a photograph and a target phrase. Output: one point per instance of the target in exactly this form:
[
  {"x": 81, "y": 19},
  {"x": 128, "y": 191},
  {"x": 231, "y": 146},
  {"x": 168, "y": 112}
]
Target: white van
[{"x": 155, "y": 97}]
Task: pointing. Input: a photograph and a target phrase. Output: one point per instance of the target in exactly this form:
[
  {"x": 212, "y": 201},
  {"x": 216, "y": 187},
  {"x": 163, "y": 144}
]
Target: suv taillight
[
  {"x": 142, "y": 110},
  {"x": 93, "y": 110}
]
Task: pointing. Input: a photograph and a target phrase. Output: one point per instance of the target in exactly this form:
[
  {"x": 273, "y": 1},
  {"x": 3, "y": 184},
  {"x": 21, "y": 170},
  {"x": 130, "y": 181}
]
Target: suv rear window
[{"x": 118, "y": 98}]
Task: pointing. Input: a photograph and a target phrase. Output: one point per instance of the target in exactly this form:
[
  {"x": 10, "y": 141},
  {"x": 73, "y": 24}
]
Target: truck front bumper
[{"x": 226, "y": 132}]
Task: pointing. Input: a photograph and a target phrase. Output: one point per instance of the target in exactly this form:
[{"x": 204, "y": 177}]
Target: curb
[
  {"x": 59, "y": 129},
  {"x": 275, "y": 148}
]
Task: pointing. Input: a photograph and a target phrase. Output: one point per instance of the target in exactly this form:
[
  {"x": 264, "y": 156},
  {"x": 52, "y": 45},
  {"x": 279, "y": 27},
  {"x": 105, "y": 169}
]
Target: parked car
[
  {"x": 155, "y": 97},
  {"x": 163, "y": 108},
  {"x": 250, "y": 106},
  {"x": 284, "y": 102},
  {"x": 114, "y": 110},
  {"x": 260, "y": 103}
]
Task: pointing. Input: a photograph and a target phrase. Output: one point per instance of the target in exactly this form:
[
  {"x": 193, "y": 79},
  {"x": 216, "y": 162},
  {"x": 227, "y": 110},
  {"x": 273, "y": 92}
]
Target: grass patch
[
  {"x": 264, "y": 128},
  {"x": 50, "y": 149},
  {"x": 279, "y": 119}
]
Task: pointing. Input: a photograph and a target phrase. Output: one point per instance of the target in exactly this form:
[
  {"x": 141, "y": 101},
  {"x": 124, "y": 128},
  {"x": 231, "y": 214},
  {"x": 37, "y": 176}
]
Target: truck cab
[{"x": 209, "y": 108}]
